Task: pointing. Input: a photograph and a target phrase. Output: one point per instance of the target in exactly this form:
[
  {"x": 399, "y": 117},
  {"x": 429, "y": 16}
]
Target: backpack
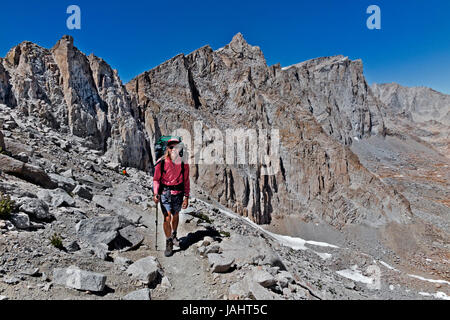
[{"x": 160, "y": 150}]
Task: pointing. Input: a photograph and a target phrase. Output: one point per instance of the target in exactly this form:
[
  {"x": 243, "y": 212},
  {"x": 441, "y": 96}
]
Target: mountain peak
[
  {"x": 238, "y": 38},
  {"x": 239, "y": 48},
  {"x": 66, "y": 41}
]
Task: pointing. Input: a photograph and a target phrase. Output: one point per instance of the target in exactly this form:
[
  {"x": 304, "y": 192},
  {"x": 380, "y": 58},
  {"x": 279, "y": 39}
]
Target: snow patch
[
  {"x": 438, "y": 295},
  {"x": 388, "y": 266},
  {"x": 292, "y": 242},
  {"x": 323, "y": 255},
  {"x": 429, "y": 280},
  {"x": 354, "y": 274}
]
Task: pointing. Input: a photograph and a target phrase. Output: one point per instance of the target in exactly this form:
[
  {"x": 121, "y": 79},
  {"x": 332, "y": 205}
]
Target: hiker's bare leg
[
  {"x": 175, "y": 219},
  {"x": 166, "y": 225}
]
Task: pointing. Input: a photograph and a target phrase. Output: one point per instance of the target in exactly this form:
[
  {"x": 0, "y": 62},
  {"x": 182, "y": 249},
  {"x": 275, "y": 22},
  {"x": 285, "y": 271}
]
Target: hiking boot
[
  {"x": 169, "y": 248},
  {"x": 175, "y": 240}
]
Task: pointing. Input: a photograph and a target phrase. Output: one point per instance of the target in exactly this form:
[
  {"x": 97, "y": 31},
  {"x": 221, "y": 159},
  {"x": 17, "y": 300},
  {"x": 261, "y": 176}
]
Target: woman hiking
[{"x": 171, "y": 185}]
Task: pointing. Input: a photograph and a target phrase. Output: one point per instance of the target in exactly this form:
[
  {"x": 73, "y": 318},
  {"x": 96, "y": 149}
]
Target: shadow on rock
[
  {"x": 194, "y": 237},
  {"x": 105, "y": 291}
]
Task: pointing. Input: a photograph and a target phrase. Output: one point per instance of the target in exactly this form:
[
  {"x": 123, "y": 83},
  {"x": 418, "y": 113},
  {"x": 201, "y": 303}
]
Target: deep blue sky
[{"x": 412, "y": 48}]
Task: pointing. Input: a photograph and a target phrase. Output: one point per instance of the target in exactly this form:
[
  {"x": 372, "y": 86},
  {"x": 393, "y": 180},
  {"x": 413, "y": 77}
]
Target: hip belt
[{"x": 178, "y": 187}]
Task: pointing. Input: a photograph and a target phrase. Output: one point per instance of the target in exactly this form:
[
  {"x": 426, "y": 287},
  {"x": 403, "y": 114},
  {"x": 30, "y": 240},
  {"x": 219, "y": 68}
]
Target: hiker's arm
[{"x": 156, "y": 179}]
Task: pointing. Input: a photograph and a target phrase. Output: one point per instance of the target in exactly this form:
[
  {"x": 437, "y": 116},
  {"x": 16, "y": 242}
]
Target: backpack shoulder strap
[
  {"x": 163, "y": 161},
  {"x": 182, "y": 170}
]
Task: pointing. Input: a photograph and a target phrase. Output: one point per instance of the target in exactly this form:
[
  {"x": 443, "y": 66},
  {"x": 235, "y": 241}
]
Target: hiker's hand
[
  {"x": 185, "y": 203},
  {"x": 156, "y": 198}
]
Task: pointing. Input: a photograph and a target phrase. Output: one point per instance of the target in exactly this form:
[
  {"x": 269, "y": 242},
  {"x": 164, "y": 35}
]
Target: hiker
[{"x": 171, "y": 187}]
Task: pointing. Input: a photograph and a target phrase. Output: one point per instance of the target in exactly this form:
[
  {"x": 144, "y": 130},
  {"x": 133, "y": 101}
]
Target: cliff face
[
  {"x": 318, "y": 107},
  {"x": 338, "y": 96},
  {"x": 419, "y": 104},
  {"x": 421, "y": 112},
  {"x": 74, "y": 94}
]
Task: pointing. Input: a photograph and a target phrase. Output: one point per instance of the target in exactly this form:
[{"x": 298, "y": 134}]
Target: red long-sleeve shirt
[{"x": 172, "y": 176}]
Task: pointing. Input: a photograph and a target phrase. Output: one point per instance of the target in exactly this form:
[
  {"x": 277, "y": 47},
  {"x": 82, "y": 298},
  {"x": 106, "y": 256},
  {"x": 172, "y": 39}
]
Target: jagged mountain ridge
[
  {"x": 234, "y": 88},
  {"x": 325, "y": 101},
  {"x": 74, "y": 94}
]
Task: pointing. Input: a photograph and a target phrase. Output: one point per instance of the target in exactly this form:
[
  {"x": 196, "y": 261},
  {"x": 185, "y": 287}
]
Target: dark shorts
[{"x": 171, "y": 203}]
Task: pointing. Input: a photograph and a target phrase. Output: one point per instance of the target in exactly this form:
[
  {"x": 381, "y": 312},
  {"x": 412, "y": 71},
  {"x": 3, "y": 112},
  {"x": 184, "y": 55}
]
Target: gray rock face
[
  {"x": 68, "y": 173},
  {"x": 36, "y": 208},
  {"x": 249, "y": 289},
  {"x": 6, "y": 94},
  {"x": 101, "y": 251},
  {"x": 143, "y": 294},
  {"x": 264, "y": 278},
  {"x": 99, "y": 230},
  {"x": 122, "y": 261},
  {"x": 68, "y": 184},
  {"x": 56, "y": 198},
  {"x": 83, "y": 192},
  {"x": 2, "y": 140},
  {"x": 75, "y": 278},
  {"x": 16, "y": 148},
  {"x": 132, "y": 237},
  {"x": 256, "y": 251},
  {"x": 20, "y": 220},
  {"x": 90, "y": 181},
  {"x": 220, "y": 263},
  {"x": 418, "y": 111},
  {"x": 420, "y": 104},
  {"x": 145, "y": 270},
  {"x": 25, "y": 171},
  {"x": 72, "y": 246},
  {"x": 119, "y": 207},
  {"x": 284, "y": 278}
]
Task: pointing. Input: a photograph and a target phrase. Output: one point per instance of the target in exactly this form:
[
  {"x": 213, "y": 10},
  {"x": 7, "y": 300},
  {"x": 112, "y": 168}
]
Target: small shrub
[
  {"x": 203, "y": 217},
  {"x": 56, "y": 241},
  {"x": 6, "y": 206},
  {"x": 225, "y": 234}
]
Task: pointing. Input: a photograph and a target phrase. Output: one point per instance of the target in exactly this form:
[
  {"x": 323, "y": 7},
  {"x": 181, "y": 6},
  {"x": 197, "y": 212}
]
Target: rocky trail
[{"x": 222, "y": 256}]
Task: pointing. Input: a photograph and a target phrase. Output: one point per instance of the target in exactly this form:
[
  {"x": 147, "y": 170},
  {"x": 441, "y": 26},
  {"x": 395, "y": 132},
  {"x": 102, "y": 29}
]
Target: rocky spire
[{"x": 239, "y": 48}]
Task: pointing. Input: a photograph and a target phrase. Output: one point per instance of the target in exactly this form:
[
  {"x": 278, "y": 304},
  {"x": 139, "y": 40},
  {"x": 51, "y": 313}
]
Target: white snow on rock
[
  {"x": 354, "y": 274},
  {"x": 438, "y": 295},
  {"x": 388, "y": 266},
  {"x": 292, "y": 242},
  {"x": 429, "y": 280}
]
